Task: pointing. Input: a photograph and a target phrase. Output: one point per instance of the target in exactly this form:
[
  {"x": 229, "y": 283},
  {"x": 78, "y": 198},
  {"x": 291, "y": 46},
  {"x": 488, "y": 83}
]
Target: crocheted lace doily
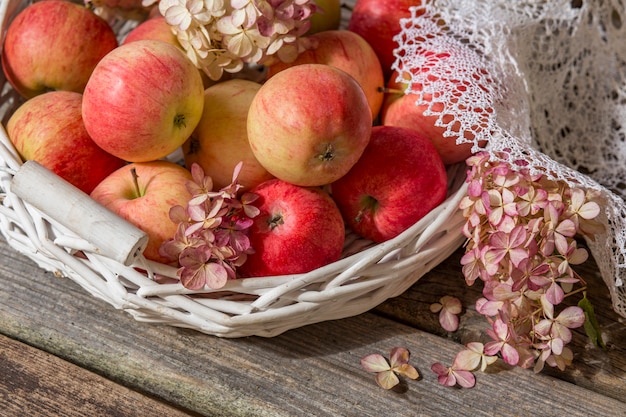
[{"x": 547, "y": 85}]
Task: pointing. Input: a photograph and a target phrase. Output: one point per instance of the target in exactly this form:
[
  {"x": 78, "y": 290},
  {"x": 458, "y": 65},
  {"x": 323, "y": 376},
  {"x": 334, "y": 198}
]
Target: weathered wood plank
[
  {"x": 308, "y": 371},
  {"x": 596, "y": 369},
  {"x": 36, "y": 383}
]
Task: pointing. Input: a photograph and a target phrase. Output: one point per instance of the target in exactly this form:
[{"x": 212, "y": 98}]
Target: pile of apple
[{"x": 321, "y": 144}]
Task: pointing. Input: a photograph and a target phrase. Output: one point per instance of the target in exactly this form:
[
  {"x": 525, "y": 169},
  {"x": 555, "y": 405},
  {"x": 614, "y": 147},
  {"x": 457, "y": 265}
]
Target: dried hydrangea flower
[
  {"x": 223, "y": 35},
  {"x": 212, "y": 235},
  {"x": 386, "y": 371}
]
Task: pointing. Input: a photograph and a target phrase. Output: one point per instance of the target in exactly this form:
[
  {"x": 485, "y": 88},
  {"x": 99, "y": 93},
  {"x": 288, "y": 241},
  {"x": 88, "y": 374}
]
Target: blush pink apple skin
[
  {"x": 402, "y": 110},
  {"x": 349, "y": 52},
  {"x": 378, "y": 21},
  {"x": 143, "y": 100},
  {"x": 397, "y": 181},
  {"x": 162, "y": 186},
  {"x": 220, "y": 140},
  {"x": 326, "y": 17},
  {"x": 49, "y": 129},
  {"x": 309, "y": 124},
  {"x": 54, "y": 45},
  {"x": 156, "y": 28},
  {"x": 308, "y": 234}
]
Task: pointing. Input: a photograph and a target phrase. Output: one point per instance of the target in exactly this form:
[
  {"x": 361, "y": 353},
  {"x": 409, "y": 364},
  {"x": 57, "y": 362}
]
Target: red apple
[
  {"x": 54, "y": 45},
  {"x": 309, "y": 124},
  {"x": 298, "y": 230},
  {"x": 145, "y": 198},
  {"x": 220, "y": 140},
  {"x": 378, "y": 21},
  {"x": 326, "y": 17},
  {"x": 143, "y": 100},
  {"x": 49, "y": 129},
  {"x": 404, "y": 110},
  {"x": 349, "y": 52},
  {"x": 397, "y": 181}
]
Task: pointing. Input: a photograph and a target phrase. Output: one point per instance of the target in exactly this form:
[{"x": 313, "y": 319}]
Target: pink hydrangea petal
[
  {"x": 399, "y": 356},
  {"x": 448, "y": 321},
  {"x": 467, "y": 360},
  {"x": 509, "y": 354},
  {"x": 571, "y": 317},
  {"x": 375, "y": 363},
  {"x": 387, "y": 379},
  {"x": 465, "y": 379}
]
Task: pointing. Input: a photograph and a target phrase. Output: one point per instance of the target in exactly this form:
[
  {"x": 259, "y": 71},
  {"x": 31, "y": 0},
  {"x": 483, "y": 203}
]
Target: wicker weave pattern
[{"x": 367, "y": 274}]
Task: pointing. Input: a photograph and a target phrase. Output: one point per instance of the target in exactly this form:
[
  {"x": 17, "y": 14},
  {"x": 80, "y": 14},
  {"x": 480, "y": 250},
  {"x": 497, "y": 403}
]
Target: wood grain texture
[
  {"x": 313, "y": 370},
  {"x": 36, "y": 383}
]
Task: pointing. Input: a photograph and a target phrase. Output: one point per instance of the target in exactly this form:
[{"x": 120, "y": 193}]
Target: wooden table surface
[{"x": 65, "y": 353}]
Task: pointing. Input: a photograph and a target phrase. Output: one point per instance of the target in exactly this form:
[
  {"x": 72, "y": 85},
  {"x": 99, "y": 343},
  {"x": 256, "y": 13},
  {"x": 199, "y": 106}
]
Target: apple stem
[
  {"x": 133, "y": 172},
  {"x": 368, "y": 206},
  {"x": 387, "y": 90}
]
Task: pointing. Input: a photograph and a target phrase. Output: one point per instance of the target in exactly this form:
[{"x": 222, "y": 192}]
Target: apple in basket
[
  {"x": 347, "y": 51},
  {"x": 309, "y": 124},
  {"x": 397, "y": 181},
  {"x": 143, "y": 100},
  {"x": 298, "y": 229},
  {"x": 143, "y": 194},
  {"x": 327, "y": 16},
  {"x": 378, "y": 21},
  {"x": 220, "y": 140},
  {"x": 54, "y": 45},
  {"x": 157, "y": 28},
  {"x": 49, "y": 129},
  {"x": 402, "y": 109}
]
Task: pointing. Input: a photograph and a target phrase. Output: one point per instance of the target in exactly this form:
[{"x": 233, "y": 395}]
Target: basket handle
[{"x": 62, "y": 202}]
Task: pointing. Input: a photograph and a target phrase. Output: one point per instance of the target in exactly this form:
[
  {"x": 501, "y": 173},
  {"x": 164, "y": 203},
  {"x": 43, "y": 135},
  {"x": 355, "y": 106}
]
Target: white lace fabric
[{"x": 541, "y": 81}]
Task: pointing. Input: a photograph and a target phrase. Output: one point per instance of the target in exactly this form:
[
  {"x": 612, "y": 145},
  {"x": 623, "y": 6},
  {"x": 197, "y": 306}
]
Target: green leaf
[{"x": 591, "y": 323}]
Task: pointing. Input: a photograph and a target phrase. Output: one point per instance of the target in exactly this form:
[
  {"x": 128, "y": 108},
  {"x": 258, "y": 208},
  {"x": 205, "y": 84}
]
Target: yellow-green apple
[
  {"x": 398, "y": 180},
  {"x": 49, "y": 129},
  {"x": 54, "y": 45},
  {"x": 327, "y": 16},
  {"x": 378, "y": 21},
  {"x": 309, "y": 124},
  {"x": 349, "y": 52},
  {"x": 402, "y": 108},
  {"x": 143, "y": 100},
  {"x": 297, "y": 230},
  {"x": 220, "y": 140},
  {"x": 143, "y": 194}
]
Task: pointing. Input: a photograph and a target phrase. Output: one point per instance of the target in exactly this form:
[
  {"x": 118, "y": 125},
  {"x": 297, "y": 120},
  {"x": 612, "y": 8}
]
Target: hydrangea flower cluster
[
  {"x": 522, "y": 231},
  {"x": 223, "y": 35},
  {"x": 211, "y": 240}
]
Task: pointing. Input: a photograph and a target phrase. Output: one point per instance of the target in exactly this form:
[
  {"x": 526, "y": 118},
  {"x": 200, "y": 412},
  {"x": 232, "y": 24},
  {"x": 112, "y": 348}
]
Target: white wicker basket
[{"x": 41, "y": 224}]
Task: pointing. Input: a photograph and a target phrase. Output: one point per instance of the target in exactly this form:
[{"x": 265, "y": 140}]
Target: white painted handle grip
[{"x": 57, "y": 199}]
